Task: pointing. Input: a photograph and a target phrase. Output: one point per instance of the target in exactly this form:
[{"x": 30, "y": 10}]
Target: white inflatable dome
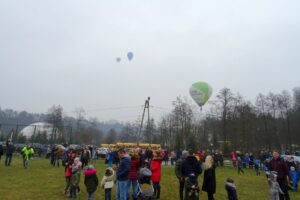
[{"x": 39, "y": 127}]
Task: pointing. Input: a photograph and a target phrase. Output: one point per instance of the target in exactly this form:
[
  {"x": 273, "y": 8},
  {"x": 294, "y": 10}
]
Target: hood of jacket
[{"x": 90, "y": 171}]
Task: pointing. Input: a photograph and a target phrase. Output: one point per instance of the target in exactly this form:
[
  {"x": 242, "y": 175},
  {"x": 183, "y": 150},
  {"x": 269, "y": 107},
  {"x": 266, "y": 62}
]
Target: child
[
  {"x": 231, "y": 189},
  {"x": 294, "y": 178},
  {"x": 90, "y": 181},
  {"x": 156, "y": 173},
  {"x": 75, "y": 178},
  {"x": 274, "y": 186},
  {"x": 240, "y": 165},
  {"x": 108, "y": 182},
  {"x": 256, "y": 167},
  {"x": 68, "y": 173}
]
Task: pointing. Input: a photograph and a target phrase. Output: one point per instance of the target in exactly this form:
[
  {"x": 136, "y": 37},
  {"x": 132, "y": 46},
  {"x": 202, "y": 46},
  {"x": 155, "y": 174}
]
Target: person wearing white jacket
[{"x": 108, "y": 182}]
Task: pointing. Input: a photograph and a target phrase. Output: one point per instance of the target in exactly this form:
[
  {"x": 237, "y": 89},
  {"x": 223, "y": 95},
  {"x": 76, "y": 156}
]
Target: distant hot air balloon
[
  {"x": 118, "y": 59},
  {"x": 129, "y": 56},
  {"x": 200, "y": 92}
]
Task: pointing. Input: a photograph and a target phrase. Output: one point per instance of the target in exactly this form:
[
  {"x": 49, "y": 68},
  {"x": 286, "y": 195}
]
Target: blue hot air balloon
[{"x": 129, "y": 56}]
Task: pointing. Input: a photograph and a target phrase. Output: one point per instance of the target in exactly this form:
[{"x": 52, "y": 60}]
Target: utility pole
[{"x": 146, "y": 106}]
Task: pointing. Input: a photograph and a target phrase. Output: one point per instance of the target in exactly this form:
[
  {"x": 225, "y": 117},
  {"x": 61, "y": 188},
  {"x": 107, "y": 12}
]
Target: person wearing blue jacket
[
  {"x": 294, "y": 178},
  {"x": 110, "y": 158},
  {"x": 231, "y": 189},
  {"x": 123, "y": 174}
]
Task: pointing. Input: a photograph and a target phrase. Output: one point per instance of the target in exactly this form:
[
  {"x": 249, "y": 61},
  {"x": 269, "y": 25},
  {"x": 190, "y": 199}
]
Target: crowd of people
[
  {"x": 282, "y": 172},
  {"x": 128, "y": 169}
]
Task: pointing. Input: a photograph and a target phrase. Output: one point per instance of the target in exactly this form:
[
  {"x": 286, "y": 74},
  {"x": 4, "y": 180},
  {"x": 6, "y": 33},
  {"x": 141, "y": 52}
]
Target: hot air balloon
[
  {"x": 118, "y": 59},
  {"x": 200, "y": 92},
  {"x": 129, "y": 56}
]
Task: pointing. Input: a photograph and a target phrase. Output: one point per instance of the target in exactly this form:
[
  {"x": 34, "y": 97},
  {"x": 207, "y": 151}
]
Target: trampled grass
[{"x": 41, "y": 181}]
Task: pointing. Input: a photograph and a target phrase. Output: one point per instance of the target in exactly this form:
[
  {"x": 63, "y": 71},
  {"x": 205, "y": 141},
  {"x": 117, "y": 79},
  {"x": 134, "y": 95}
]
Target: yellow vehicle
[{"x": 131, "y": 145}]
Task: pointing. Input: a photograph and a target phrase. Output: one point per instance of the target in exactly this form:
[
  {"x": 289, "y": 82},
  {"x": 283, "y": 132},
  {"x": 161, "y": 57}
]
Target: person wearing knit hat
[
  {"x": 107, "y": 182},
  {"x": 231, "y": 189},
  {"x": 190, "y": 166},
  {"x": 156, "y": 172},
  {"x": 90, "y": 181},
  {"x": 178, "y": 173},
  {"x": 133, "y": 174},
  {"x": 75, "y": 178}
]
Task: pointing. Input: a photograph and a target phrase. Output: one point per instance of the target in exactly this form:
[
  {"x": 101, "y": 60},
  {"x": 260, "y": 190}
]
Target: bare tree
[
  {"x": 225, "y": 98},
  {"x": 285, "y": 107},
  {"x": 182, "y": 115},
  {"x": 262, "y": 112},
  {"x": 55, "y": 117},
  {"x": 111, "y": 136},
  {"x": 296, "y": 98}
]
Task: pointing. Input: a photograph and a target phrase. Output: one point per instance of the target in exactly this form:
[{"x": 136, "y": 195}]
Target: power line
[{"x": 105, "y": 109}]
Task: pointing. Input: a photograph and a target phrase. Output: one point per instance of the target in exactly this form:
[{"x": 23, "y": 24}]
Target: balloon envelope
[
  {"x": 129, "y": 56},
  {"x": 200, "y": 92}
]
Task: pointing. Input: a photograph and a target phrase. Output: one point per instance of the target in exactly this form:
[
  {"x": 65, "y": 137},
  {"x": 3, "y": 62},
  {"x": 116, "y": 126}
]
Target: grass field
[{"x": 41, "y": 181}]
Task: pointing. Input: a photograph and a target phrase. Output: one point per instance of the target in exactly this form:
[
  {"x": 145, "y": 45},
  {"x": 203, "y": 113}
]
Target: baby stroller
[
  {"x": 191, "y": 188},
  {"x": 145, "y": 186}
]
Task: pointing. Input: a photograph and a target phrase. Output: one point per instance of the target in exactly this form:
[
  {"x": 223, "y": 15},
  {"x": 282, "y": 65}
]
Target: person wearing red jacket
[
  {"x": 68, "y": 171},
  {"x": 133, "y": 174},
  {"x": 156, "y": 173}
]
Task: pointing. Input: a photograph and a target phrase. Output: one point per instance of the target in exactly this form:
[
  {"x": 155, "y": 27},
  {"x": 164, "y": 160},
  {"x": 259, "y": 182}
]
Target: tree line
[{"x": 232, "y": 122}]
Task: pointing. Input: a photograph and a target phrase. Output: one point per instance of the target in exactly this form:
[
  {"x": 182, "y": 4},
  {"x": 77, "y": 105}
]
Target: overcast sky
[{"x": 64, "y": 52}]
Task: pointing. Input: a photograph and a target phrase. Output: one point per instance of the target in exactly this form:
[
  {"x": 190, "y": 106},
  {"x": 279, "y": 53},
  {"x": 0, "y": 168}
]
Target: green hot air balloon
[{"x": 200, "y": 92}]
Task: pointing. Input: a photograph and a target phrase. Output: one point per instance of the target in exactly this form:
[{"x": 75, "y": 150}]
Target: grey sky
[{"x": 64, "y": 52}]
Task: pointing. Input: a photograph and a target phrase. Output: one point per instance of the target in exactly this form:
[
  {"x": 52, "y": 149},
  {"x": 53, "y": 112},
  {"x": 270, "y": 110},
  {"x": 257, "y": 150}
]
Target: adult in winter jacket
[
  {"x": 90, "y": 181},
  {"x": 133, "y": 174},
  {"x": 191, "y": 169},
  {"x": 1, "y": 151},
  {"x": 209, "y": 180},
  {"x": 279, "y": 165},
  {"x": 178, "y": 173},
  {"x": 191, "y": 165},
  {"x": 156, "y": 172},
  {"x": 123, "y": 175},
  {"x": 26, "y": 152},
  {"x": 9, "y": 152}
]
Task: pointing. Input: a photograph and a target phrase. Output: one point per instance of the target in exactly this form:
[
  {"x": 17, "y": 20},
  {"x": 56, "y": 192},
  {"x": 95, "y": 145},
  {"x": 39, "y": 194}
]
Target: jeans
[
  {"x": 122, "y": 190},
  {"x": 134, "y": 188},
  {"x": 107, "y": 194},
  {"x": 8, "y": 159},
  {"x": 91, "y": 195},
  {"x": 110, "y": 163}
]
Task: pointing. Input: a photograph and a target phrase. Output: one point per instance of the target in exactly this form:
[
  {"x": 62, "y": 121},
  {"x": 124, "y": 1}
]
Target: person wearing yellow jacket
[{"x": 26, "y": 152}]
